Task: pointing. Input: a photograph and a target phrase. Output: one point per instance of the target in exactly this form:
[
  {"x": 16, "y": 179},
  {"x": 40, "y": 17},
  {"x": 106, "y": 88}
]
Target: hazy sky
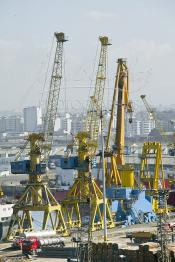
[{"x": 143, "y": 31}]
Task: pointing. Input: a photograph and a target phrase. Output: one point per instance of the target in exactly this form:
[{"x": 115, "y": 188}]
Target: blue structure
[
  {"x": 69, "y": 162},
  {"x": 24, "y": 167},
  {"x": 72, "y": 162},
  {"x": 131, "y": 206},
  {"x": 20, "y": 167}
]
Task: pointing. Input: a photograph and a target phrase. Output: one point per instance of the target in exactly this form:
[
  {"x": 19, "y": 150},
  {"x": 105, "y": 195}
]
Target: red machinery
[{"x": 31, "y": 245}]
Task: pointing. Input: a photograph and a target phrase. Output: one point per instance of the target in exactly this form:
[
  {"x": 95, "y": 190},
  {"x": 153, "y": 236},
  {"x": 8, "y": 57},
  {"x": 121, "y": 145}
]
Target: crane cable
[
  {"x": 91, "y": 80},
  {"x": 46, "y": 74}
]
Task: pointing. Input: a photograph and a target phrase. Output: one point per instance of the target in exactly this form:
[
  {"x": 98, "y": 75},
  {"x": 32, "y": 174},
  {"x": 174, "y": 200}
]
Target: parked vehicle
[{"x": 142, "y": 237}]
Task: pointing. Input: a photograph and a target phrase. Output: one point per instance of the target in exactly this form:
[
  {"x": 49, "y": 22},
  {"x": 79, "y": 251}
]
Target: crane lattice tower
[{"x": 84, "y": 192}]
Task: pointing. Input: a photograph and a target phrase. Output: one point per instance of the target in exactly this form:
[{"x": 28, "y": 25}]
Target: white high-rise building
[
  {"x": 137, "y": 127},
  {"x": 32, "y": 118},
  {"x": 2, "y": 124},
  {"x": 134, "y": 128},
  {"x": 77, "y": 124},
  {"x": 11, "y": 124},
  {"x": 147, "y": 126},
  {"x": 14, "y": 124},
  {"x": 57, "y": 124},
  {"x": 66, "y": 123}
]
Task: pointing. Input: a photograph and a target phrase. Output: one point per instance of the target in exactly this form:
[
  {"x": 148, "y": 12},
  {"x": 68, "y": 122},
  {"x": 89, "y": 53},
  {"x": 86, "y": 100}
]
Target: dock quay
[{"x": 117, "y": 246}]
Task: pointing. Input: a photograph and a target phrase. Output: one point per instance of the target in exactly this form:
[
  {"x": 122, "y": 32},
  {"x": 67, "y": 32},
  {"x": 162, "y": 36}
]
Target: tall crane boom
[
  {"x": 152, "y": 116},
  {"x": 148, "y": 107},
  {"x": 123, "y": 103},
  {"x": 54, "y": 91},
  {"x": 95, "y": 105},
  {"x": 112, "y": 108},
  {"x": 52, "y": 101},
  {"x": 121, "y": 97}
]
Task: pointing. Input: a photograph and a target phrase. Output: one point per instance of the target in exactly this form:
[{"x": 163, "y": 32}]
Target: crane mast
[
  {"x": 113, "y": 108},
  {"x": 85, "y": 189},
  {"x": 95, "y": 105},
  {"x": 52, "y": 101},
  {"x": 54, "y": 91},
  {"x": 37, "y": 196},
  {"x": 121, "y": 97},
  {"x": 123, "y": 103}
]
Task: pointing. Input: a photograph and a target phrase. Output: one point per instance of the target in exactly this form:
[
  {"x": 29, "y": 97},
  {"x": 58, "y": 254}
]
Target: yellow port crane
[
  {"x": 152, "y": 115},
  {"x": 85, "y": 190},
  {"x": 37, "y": 197},
  {"x": 153, "y": 150},
  {"x": 152, "y": 154},
  {"x": 120, "y": 173}
]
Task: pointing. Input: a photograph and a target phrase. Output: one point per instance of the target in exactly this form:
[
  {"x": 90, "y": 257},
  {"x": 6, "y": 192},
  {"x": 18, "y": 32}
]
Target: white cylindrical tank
[
  {"x": 39, "y": 234},
  {"x": 50, "y": 241}
]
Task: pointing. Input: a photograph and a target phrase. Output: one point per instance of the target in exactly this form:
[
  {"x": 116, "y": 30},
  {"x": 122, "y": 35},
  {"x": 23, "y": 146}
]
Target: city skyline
[
  {"x": 71, "y": 123},
  {"x": 145, "y": 38}
]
